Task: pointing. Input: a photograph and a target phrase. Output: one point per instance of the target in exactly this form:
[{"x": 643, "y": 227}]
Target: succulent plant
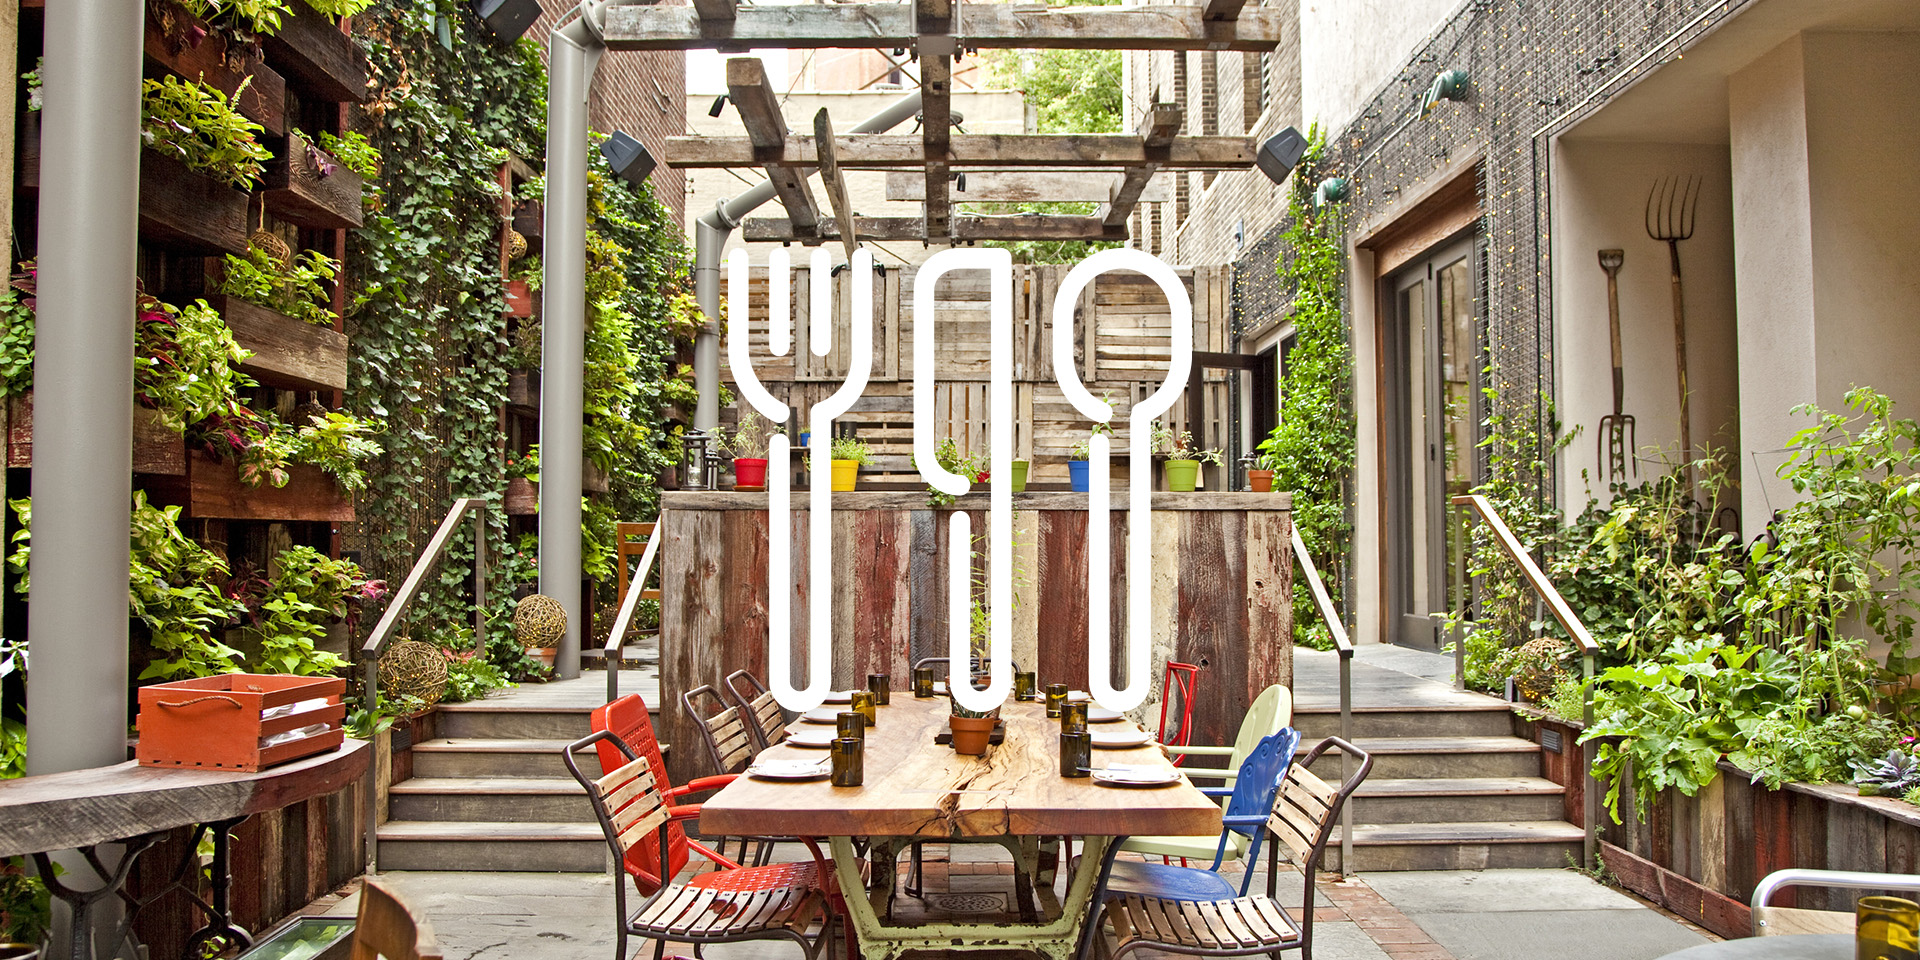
[{"x": 1892, "y": 775}]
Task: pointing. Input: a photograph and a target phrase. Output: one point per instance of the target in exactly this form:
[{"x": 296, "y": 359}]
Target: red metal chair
[
  {"x": 1181, "y": 677},
  {"x": 627, "y": 719}
]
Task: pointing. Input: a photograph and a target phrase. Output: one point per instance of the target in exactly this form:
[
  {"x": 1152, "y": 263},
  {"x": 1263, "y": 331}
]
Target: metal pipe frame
[{"x": 1343, "y": 645}]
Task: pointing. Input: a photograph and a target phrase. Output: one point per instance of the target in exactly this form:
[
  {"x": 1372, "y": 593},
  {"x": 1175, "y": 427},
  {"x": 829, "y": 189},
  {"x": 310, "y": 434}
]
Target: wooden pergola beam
[
  {"x": 759, "y": 108},
  {"x": 836, "y": 184},
  {"x": 881, "y": 151},
  {"x": 1157, "y": 130},
  {"x": 964, "y": 228},
  {"x": 1222, "y": 10},
  {"x": 936, "y": 130},
  {"x": 717, "y": 12},
  {"x": 982, "y": 25},
  {"x": 1039, "y": 186}
]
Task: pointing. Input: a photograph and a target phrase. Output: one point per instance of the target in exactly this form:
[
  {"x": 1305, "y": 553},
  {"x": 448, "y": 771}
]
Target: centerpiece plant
[
  {"x": 1079, "y": 456},
  {"x": 746, "y": 445},
  {"x": 952, "y": 459}
]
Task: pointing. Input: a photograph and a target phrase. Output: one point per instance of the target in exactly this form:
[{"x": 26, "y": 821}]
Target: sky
[{"x": 707, "y": 69}]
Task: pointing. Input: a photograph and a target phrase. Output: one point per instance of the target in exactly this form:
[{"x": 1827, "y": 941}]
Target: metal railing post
[
  {"x": 370, "y": 787},
  {"x": 1346, "y": 733},
  {"x": 1590, "y": 786},
  {"x": 480, "y": 582},
  {"x": 1460, "y": 597}
]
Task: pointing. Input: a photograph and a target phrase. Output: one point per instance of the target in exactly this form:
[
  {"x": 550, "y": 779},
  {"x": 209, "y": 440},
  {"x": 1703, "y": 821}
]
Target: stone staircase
[
  {"x": 1452, "y": 787},
  {"x": 491, "y": 792}
]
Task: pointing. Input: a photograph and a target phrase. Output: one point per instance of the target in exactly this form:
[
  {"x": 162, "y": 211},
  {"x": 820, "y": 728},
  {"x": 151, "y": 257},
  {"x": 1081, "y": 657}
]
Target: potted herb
[
  {"x": 1260, "y": 474},
  {"x": 747, "y": 445},
  {"x": 849, "y": 455},
  {"x": 1077, "y": 459},
  {"x": 949, "y": 457},
  {"x": 1184, "y": 457},
  {"x": 523, "y": 483}
]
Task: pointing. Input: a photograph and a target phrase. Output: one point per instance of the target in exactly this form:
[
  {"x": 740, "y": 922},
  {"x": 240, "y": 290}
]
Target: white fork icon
[{"x": 820, "y": 480}]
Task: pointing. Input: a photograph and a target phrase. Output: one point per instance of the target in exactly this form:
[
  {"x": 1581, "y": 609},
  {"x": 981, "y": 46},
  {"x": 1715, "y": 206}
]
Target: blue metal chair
[{"x": 1250, "y": 801}]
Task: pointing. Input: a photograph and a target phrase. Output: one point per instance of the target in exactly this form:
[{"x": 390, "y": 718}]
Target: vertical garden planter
[
  {"x": 189, "y": 210},
  {"x": 307, "y": 186},
  {"x": 522, "y": 498},
  {"x": 529, "y": 219},
  {"x": 185, "y": 46},
  {"x": 156, "y": 449},
  {"x": 287, "y": 353},
  {"x": 313, "y": 52},
  {"x": 215, "y": 492},
  {"x": 519, "y": 298}
]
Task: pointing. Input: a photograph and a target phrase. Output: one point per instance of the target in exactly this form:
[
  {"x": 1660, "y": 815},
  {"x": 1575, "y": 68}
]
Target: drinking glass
[
  {"x": 1073, "y": 716},
  {"x": 1076, "y": 754},
  {"x": 1023, "y": 685},
  {"x": 923, "y": 682},
  {"x": 848, "y": 761},
  {"x": 881, "y": 686},
  {"x": 1056, "y": 695},
  {"x": 850, "y": 725},
  {"x": 1888, "y": 929},
  {"x": 863, "y": 704}
]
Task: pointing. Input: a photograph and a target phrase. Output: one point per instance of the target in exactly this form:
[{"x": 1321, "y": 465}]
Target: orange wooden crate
[{"x": 216, "y": 721}]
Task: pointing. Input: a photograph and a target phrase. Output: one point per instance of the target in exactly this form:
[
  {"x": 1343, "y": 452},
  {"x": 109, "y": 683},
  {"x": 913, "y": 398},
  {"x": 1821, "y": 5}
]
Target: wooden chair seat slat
[
  {"x": 1257, "y": 923},
  {"x": 662, "y": 913},
  {"x": 1230, "y": 915},
  {"x": 1205, "y": 923}
]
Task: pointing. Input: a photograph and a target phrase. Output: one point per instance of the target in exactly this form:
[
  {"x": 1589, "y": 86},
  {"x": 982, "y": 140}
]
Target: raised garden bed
[
  {"x": 287, "y": 353},
  {"x": 186, "y": 46},
  {"x": 188, "y": 210},
  {"x": 306, "y": 186},
  {"x": 314, "y": 52},
  {"x": 156, "y": 449},
  {"x": 215, "y": 492}
]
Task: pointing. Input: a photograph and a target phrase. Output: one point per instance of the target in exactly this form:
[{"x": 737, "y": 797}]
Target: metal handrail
[
  {"x": 1544, "y": 593},
  {"x": 615, "y": 651},
  {"x": 390, "y": 621},
  {"x": 1323, "y": 605}
]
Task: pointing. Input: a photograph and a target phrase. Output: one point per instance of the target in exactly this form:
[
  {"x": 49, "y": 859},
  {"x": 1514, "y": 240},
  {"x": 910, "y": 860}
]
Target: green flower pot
[
  {"x": 1181, "y": 475},
  {"x": 1020, "y": 476}
]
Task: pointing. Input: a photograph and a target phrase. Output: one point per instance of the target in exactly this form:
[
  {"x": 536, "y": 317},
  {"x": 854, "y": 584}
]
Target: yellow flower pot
[{"x": 845, "y": 473}]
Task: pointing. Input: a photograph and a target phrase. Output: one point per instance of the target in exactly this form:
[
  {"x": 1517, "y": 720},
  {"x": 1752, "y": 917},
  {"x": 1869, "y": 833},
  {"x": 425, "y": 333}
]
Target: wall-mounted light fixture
[
  {"x": 1332, "y": 190},
  {"x": 1279, "y": 154},
  {"x": 507, "y": 20},
  {"x": 628, "y": 158},
  {"x": 719, "y": 104},
  {"x": 1447, "y": 85}
]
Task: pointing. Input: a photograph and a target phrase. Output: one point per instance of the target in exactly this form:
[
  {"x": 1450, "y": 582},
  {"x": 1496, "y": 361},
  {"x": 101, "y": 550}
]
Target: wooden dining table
[{"x": 915, "y": 790}]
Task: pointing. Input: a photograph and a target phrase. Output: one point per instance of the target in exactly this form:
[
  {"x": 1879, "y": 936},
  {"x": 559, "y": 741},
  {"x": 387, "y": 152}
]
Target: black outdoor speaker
[
  {"x": 507, "y": 19},
  {"x": 630, "y": 161},
  {"x": 1280, "y": 153}
]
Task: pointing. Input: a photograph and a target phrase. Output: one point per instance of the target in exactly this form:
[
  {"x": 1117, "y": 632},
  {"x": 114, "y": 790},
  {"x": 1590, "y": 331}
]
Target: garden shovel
[{"x": 1616, "y": 429}]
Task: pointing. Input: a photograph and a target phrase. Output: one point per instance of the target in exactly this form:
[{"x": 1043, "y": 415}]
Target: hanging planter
[
  {"x": 186, "y": 47},
  {"x": 519, "y": 298},
  {"x": 287, "y": 353},
  {"x": 188, "y": 210},
  {"x": 311, "y": 49}
]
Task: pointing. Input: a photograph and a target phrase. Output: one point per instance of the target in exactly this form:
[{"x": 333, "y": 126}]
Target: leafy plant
[
  {"x": 949, "y": 456},
  {"x": 246, "y": 18},
  {"x": 352, "y": 149},
  {"x": 16, "y": 333},
  {"x": 1181, "y": 446},
  {"x": 340, "y": 8},
  {"x": 471, "y": 677},
  {"x": 1083, "y": 448},
  {"x": 524, "y": 466},
  {"x": 297, "y": 289},
  {"x": 339, "y": 444},
  {"x": 198, "y": 125},
  {"x": 13, "y": 733},
  {"x": 852, "y": 448},
  {"x": 34, "y": 84},
  {"x": 184, "y": 364},
  {"x": 25, "y": 905},
  {"x": 748, "y": 440}
]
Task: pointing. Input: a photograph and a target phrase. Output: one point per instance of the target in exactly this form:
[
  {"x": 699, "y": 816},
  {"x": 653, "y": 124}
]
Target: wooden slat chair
[
  {"x": 767, "y": 722},
  {"x": 627, "y": 719},
  {"x": 385, "y": 927},
  {"x": 779, "y": 902},
  {"x": 730, "y": 741},
  {"x": 1304, "y": 813},
  {"x": 1270, "y": 713},
  {"x": 1775, "y": 921}
]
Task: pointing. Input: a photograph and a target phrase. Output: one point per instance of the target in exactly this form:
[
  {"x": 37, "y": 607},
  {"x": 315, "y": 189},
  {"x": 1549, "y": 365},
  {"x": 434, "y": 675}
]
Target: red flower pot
[{"x": 750, "y": 472}]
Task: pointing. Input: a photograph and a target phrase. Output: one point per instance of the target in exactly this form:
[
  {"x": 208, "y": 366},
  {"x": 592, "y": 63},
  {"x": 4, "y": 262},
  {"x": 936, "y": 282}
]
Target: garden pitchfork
[
  {"x": 1617, "y": 439},
  {"x": 1670, "y": 208}
]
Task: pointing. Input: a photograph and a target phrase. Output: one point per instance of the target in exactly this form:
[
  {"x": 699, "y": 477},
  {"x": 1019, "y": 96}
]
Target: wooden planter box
[
  {"x": 523, "y": 390},
  {"x": 187, "y": 47},
  {"x": 156, "y": 449},
  {"x": 215, "y": 492},
  {"x": 28, "y": 159},
  {"x": 300, "y": 189},
  {"x": 218, "y": 722},
  {"x": 522, "y": 498},
  {"x": 287, "y": 353},
  {"x": 529, "y": 220},
  {"x": 314, "y": 52},
  {"x": 519, "y": 298},
  {"x": 188, "y": 210},
  {"x": 593, "y": 479}
]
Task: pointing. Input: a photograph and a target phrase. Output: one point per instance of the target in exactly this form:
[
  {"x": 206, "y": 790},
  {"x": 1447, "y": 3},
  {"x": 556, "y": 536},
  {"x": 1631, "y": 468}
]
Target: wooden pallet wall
[{"x": 1121, "y": 344}]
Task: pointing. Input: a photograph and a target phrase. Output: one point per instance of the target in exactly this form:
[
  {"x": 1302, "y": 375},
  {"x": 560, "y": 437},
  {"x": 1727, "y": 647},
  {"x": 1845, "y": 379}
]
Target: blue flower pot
[{"x": 1077, "y": 474}]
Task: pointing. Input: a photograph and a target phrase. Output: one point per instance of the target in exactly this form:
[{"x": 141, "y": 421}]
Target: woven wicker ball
[
  {"x": 414, "y": 668},
  {"x": 539, "y": 621},
  {"x": 269, "y": 243},
  {"x": 516, "y": 245},
  {"x": 1539, "y": 667}
]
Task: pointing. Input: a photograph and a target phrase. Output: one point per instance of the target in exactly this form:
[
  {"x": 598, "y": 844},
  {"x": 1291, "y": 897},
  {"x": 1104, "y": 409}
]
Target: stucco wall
[
  {"x": 1599, "y": 202},
  {"x": 1350, "y": 47}
]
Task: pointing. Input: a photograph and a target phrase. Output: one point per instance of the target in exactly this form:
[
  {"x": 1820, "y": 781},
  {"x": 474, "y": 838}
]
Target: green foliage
[
  {"x": 16, "y": 339},
  {"x": 353, "y": 150},
  {"x": 184, "y": 362},
  {"x": 174, "y": 593},
  {"x": 244, "y": 18},
  {"x": 340, "y": 8},
  {"x": 471, "y": 678},
  {"x": 13, "y": 733},
  {"x": 338, "y": 443},
  {"x": 524, "y": 466},
  {"x": 26, "y": 908},
  {"x": 297, "y": 290},
  {"x": 1083, "y": 449},
  {"x": 852, "y": 448},
  {"x": 1312, "y": 448},
  {"x": 198, "y": 126},
  {"x": 34, "y": 84},
  {"x": 748, "y": 439},
  {"x": 1180, "y": 446},
  {"x": 950, "y": 457}
]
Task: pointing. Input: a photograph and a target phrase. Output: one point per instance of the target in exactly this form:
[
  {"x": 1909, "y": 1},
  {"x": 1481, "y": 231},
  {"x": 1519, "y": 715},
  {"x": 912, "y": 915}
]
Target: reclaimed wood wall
[
  {"x": 1222, "y": 594},
  {"x": 1701, "y": 856},
  {"x": 1121, "y": 348}
]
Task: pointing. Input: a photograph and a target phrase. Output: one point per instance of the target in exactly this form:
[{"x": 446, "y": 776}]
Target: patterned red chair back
[{"x": 627, "y": 719}]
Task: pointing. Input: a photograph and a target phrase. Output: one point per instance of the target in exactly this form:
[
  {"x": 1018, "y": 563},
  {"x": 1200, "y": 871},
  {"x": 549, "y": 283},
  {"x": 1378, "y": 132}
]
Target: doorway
[{"x": 1432, "y": 402}]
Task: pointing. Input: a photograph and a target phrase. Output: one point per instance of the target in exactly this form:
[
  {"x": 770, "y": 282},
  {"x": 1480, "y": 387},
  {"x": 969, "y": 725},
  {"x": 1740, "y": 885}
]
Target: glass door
[{"x": 1433, "y": 361}]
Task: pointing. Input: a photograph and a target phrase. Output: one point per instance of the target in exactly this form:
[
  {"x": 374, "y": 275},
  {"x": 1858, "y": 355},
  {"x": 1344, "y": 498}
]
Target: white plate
[
  {"x": 839, "y": 696},
  {"x": 821, "y": 715},
  {"x": 1103, "y": 715},
  {"x": 1079, "y": 695},
  {"x": 814, "y": 737},
  {"x": 1135, "y": 775},
  {"x": 789, "y": 769},
  {"x": 939, "y": 688},
  {"x": 1120, "y": 738}
]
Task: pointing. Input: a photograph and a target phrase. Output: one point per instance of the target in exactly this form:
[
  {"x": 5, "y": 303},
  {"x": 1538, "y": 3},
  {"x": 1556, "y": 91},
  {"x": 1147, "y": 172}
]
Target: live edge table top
[{"x": 917, "y": 788}]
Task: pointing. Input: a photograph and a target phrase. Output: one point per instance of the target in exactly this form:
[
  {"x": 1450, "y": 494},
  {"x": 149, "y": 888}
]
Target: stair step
[
  {"x": 1396, "y": 758},
  {"x": 504, "y": 719},
  {"x": 464, "y": 757},
  {"x": 1492, "y": 719},
  {"x": 494, "y": 799},
  {"x": 1420, "y": 800},
  {"x": 1460, "y": 846},
  {"x": 485, "y": 846}
]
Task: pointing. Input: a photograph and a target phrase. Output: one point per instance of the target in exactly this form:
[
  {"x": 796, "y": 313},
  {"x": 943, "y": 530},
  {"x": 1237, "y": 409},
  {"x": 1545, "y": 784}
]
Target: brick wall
[{"x": 644, "y": 94}]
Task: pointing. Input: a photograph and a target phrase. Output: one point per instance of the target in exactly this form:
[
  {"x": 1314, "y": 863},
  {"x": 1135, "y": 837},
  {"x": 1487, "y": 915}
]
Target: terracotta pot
[
  {"x": 522, "y": 498},
  {"x": 1077, "y": 476},
  {"x": 1260, "y": 481},
  {"x": 1182, "y": 474},
  {"x": 1020, "y": 468},
  {"x": 750, "y": 471},
  {"x": 970, "y": 734},
  {"x": 845, "y": 474},
  {"x": 543, "y": 654}
]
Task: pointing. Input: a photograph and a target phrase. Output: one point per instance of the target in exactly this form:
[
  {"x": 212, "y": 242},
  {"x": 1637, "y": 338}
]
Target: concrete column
[
  {"x": 572, "y": 55},
  {"x": 83, "y": 384}
]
